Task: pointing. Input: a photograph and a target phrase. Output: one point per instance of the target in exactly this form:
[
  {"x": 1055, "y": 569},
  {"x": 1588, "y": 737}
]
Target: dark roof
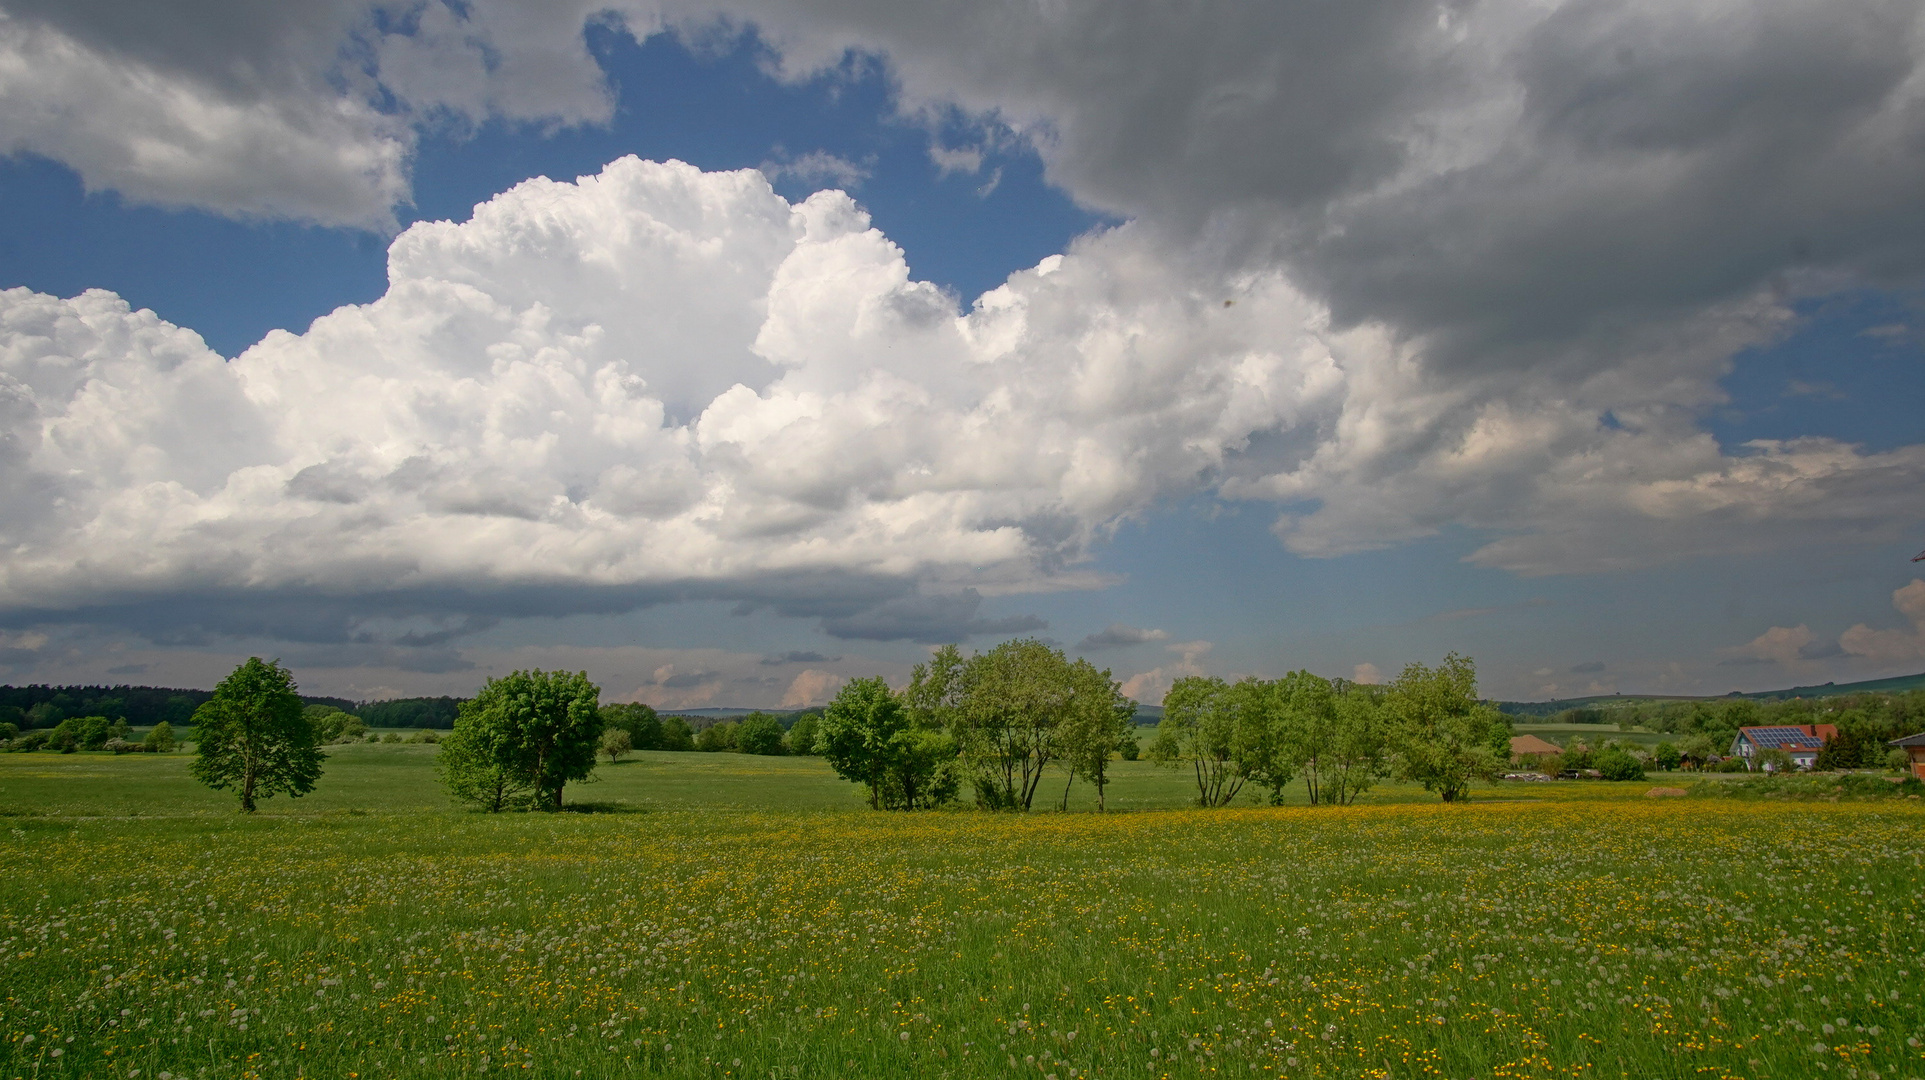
[
  {"x": 1909, "y": 740},
  {"x": 1784, "y": 738}
]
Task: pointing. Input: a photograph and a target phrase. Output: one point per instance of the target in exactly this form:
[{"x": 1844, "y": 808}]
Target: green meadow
[{"x": 722, "y": 915}]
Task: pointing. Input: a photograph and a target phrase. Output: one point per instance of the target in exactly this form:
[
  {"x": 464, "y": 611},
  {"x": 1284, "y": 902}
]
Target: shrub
[
  {"x": 616, "y": 742},
  {"x": 425, "y": 735},
  {"x": 802, "y": 735},
  {"x": 1898, "y": 761},
  {"x": 715, "y": 737},
  {"x": 9, "y": 732},
  {"x": 759, "y": 733},
  {"x": 644, "y": 727},
  {"x": 28, "y": 743},
  {"x": 1615, "y": 764},
  {"x": 1667, "y": 757},
  {"x": 676, "y": 734},
  {"x": 1577, "y": 756},
  {"x": 161, "y": 739}
]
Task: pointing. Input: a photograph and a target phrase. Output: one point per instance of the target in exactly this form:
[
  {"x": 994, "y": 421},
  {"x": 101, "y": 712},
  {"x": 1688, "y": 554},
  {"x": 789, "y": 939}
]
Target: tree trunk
[
  {"x": 1066, "y": 785},
  {"x": 247, "y": 789}
]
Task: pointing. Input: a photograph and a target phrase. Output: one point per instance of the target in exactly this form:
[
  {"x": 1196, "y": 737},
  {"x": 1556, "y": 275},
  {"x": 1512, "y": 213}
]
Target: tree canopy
[
  {"x": 526, "y": 732},
  {"x": 253, "y": 736}
]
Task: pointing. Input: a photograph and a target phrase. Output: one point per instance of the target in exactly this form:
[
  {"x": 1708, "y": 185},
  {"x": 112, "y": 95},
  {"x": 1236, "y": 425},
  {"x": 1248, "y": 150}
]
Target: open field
[
  {"x": 1593, "y": 734},
  {"x": 735, "y": 916}
]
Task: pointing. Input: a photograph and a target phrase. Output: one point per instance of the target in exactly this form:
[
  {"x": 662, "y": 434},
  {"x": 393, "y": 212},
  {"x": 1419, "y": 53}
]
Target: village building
[
  {"x": 1913, "y": 745},
  {"x": 1800, "y": 741},
  {"x": 1533, "y": 751}
]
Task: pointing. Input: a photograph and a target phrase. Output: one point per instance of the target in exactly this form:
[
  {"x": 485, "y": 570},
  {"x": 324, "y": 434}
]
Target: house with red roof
[{"x": 1801, "y": 741}]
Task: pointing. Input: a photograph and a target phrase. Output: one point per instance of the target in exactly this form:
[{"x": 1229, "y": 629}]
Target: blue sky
[{"x": 1271, "y": 387}]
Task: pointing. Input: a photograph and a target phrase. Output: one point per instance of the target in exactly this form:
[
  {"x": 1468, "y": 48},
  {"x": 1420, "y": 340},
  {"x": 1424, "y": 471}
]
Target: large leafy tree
[
  {"x": 1446, "y": 738},
  {"x": 472, "y": 775},
  {"x": 254, "y": 737},
  {"x": 1359, "y": 748},
  {"x": 1217, "y": 730},
  {"x": 1008, "y": 707},
  {"x": 868, "y": 736},
  {"x": 643, "y": 725},
  {"x": 532, "y": 730},
  {"x": 759, "y": 733}
]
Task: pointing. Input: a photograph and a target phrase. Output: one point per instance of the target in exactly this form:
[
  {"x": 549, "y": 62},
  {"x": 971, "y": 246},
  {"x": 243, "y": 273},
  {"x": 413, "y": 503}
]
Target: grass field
[
  {"x": 1593, "y": 734},
  {"x": 720, "y": 915}
]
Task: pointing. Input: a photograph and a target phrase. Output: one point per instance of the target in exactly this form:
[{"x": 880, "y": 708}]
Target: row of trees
[
  {"x": 1000, "y": 721},
  {"x": 1337, "y": 737}
]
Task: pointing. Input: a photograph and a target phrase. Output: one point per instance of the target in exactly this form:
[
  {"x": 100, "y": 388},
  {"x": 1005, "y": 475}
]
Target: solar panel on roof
[{"x": 1778, "y": 737}]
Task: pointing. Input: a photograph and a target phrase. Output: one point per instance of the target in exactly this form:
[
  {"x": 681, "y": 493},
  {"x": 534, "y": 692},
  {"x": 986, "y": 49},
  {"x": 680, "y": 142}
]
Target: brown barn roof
[{"x": 1529, "y": 745}]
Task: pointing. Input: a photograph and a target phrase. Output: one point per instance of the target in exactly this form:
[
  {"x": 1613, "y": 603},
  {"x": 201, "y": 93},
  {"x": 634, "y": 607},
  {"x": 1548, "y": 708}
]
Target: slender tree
[
  {"x": 253, "y": 737},
  {"x": 1095, "y": 728},
  {"x": 1359, "y": 753},
  {"x": 1206, "y": 727}
]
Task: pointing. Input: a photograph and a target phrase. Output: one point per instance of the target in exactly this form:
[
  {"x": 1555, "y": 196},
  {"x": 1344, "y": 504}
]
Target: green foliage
[
  {"x": 1211, "y": 730},
  {"x": 9, "y": 731},
  {"x": 1358, "y": 751},
  {"x": 868, "y": 737},
  {"x": 161, "y": 739},
  {"x": 88, "y": 732},
  {"x": 676, "y": 734},
  {"x": 1696, "y": 750},
  {"x": 1444, "y": 737},
  {"x": 716, "y": 737},
  {"x": 759, "y": 733},
  {"x": 27, "y": 742},
  {"x": 1666, "y": 756},
  {"x": 1897, "y": 760},
  {"x": 616, "y": 743},
  {"x": 423, "y": 712},
  {"x": 1004, "y": 707},
  {"x": 528, "y": 731},
  {"x": 802, "y": 735},
  {"x": 1615, "y": 764},
  {"x": 1336, "y": 739},
  {"x": 252, "y": 736},
  {"x": 643, "y": 725},
  {"x": 1852, "y": 748},
  {"x": 332, "y": 725},
  {"x": 1774, "y": 760},
  {"x": 467, "y": 768},
  {"x": 1099, "y": 723}
]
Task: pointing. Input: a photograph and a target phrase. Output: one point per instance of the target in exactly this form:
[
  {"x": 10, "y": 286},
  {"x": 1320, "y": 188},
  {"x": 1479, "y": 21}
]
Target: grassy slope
[{"x": 747, "y": 918}]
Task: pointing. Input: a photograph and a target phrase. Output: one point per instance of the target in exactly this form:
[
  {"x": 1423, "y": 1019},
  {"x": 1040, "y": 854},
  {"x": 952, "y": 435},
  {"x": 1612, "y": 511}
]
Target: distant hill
[{"x": 1895, "y": 685}]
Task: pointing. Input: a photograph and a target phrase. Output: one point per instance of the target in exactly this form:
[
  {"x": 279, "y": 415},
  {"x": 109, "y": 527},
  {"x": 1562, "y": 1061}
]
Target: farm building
[
  {"x": 1531, "y": 750},
  {"x": 1801, "y": 741},
  {"x": 1913, "y": 745}
]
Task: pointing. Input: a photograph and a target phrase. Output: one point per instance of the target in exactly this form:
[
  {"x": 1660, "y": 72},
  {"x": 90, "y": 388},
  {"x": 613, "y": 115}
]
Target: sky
[{"x": 730, "y": 350}]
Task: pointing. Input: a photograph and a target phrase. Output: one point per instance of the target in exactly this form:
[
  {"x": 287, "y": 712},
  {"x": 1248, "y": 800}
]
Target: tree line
[{"x": 1337, "y": 737}]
